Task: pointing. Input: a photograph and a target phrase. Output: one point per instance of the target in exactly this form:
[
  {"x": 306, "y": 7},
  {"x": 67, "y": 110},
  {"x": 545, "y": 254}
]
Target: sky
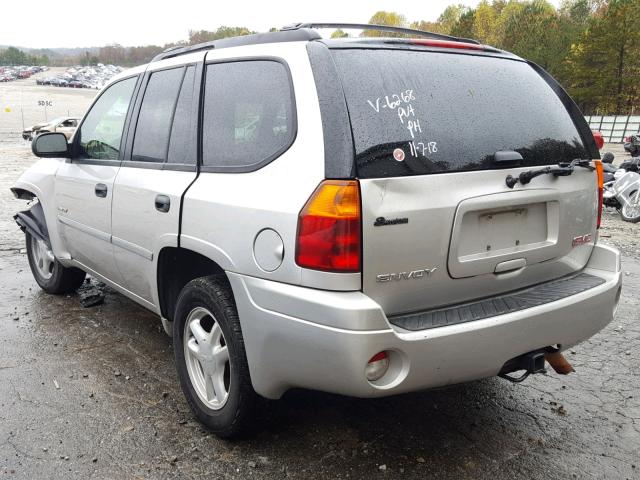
[{"x": 88, "y": 23}]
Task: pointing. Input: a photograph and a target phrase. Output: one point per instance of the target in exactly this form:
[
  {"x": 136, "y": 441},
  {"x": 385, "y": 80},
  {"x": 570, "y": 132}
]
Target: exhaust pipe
[{"x": 558, "y": 362}]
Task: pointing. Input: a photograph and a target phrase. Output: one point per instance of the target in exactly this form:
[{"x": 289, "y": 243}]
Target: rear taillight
[
  {"x": 600, "y": 176},
  {"x": 329, "y": 228}
]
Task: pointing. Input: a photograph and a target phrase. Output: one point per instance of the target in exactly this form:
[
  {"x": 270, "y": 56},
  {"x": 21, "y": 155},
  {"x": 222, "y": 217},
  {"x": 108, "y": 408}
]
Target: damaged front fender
[{"x": 34, "y": 222}]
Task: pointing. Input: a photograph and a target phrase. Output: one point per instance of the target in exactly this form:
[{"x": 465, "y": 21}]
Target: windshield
[{"x": 420, "y": 112}]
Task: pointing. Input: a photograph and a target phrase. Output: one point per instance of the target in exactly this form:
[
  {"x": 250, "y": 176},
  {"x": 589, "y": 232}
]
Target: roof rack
[
  {"x": 295, "y": 33},
  {"x": 290, "y": 35},
  {"x": 382, "y": 28}
]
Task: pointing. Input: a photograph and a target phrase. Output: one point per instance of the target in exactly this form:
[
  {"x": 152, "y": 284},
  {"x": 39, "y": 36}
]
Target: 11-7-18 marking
[{"x": 422, "y": 148}]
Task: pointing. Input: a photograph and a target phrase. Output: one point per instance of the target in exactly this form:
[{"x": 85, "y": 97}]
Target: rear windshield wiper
[{"x": 563, "y": 169}]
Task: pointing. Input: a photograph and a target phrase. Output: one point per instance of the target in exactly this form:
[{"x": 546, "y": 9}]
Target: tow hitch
[{"x": 534, "y": 362}]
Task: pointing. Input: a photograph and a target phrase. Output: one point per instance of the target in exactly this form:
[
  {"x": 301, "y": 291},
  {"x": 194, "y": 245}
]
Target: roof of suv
[{"x": 306, "y": 32}]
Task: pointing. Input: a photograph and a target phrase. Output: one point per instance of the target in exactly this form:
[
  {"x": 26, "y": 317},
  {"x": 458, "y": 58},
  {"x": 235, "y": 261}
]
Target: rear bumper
[{"x": 299, "y": 337}]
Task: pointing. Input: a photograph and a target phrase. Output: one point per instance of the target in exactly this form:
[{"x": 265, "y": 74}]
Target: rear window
[{"x": 415, "y": 113}]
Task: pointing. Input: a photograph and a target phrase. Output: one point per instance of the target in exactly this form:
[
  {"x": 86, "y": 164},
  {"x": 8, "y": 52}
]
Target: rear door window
[
  {"x": 415, "y": 113},
  {"x": 183, "y": 123},
  {"x": 151, "y": 141}
]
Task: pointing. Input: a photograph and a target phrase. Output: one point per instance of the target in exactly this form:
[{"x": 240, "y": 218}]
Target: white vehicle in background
[
  {"x": 366, "y": 216},
  {"x": 622, "y": 191},
  {"x": 65, "y": 125}
]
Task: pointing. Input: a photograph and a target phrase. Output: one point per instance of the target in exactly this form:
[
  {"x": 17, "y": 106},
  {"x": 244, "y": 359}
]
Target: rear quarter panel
[{"x": 223, "y": 212}]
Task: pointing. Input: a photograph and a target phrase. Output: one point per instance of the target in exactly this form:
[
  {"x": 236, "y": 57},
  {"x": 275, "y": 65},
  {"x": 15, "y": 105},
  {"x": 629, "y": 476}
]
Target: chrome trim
[
  {"x": 99, "y": 234},
  {"x": 132, "y": 247}
]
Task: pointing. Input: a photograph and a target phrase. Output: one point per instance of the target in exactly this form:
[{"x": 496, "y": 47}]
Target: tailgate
[
  {"x": 471, "y": 237},
  {"x": 435, "y": 136}
]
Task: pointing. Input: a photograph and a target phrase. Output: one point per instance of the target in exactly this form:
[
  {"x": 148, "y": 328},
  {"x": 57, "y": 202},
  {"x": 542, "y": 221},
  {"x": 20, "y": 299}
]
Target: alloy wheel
[{"x": 207, "y": 358}]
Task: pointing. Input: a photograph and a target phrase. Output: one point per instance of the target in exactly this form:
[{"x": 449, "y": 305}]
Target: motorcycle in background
[
  {"x": 632, "y": 144},
  {"x": 622, "y": 187}
]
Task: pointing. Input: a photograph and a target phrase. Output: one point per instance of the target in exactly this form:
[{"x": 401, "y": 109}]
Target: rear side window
[
  {"x": 249, "y": 114},
  {"x": 415, "y": 113},
  {"x": 153, "y": 129}
]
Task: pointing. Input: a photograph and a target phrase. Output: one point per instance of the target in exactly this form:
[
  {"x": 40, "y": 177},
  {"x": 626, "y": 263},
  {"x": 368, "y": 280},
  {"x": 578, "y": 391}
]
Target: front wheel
[
  {"x": 48, "y": 272},
  {"x": 211, "y": 358}
]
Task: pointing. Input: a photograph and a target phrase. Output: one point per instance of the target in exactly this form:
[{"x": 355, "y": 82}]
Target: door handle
[
  {"x": 163, "y": 203},
  {"x": 101, "y": 190}
]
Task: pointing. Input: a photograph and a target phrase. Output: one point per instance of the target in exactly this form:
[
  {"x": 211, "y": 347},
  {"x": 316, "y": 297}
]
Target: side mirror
[{"x": 50, "y": 145}]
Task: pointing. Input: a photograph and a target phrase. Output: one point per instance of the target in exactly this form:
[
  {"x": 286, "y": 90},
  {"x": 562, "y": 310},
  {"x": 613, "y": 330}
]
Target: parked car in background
[
  {"x": 18, "y": 72},
  {"x": 632, "y": 144},
  {"x": 64, "y": 125},
  {"x": 94, "y": 76}
]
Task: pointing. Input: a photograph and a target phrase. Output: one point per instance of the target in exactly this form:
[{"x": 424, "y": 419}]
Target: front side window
[
  {"x": 101, "y": 132},
  {"x": 249, "y": 114}
]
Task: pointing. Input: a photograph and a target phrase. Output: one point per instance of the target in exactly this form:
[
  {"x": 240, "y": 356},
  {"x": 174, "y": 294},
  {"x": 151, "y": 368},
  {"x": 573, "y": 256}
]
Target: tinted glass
[
  {"x": 156, "y": 115},
  {"x": 183, "y": 121},
  {"x": 101, "y": 131},
  {"x": 248, "y": 113},
  {"x": 415, "y": 112}
]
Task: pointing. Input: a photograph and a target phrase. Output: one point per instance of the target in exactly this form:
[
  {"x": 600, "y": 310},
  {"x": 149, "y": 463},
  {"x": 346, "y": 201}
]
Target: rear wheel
[
  {"x": 631, "y": 212},
  {"x": 211, "y": 359},
  {"x": 48, "y": 272}
]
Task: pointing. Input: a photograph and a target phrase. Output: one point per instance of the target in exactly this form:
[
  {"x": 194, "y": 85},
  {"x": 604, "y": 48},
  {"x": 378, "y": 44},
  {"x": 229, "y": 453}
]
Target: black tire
[
  {"x": 237, "y": 417},
  {"x": 62, "y": 280}
]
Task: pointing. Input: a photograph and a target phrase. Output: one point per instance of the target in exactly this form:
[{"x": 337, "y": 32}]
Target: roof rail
[
  {"x": 382, "y": 28},
  {"x": 295, "y": 33},
  {"x": 291, "y": 35}
]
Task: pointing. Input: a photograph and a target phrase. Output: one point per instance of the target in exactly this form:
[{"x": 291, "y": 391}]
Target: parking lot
[{"x": 93, "y": 393}]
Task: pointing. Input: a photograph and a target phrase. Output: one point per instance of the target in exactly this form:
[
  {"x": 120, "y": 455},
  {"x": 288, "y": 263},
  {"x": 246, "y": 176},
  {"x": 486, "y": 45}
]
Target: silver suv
[{"x": 364, "y": 216}]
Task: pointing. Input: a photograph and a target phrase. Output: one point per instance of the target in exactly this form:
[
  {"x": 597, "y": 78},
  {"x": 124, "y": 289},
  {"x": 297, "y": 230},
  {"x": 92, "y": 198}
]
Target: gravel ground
[{"x": 93, "y": 393}]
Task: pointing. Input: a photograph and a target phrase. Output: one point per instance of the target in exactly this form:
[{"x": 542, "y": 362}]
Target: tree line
[
  {"x": 14, "y": 56},
  {"x": 592, "y": 47}
]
